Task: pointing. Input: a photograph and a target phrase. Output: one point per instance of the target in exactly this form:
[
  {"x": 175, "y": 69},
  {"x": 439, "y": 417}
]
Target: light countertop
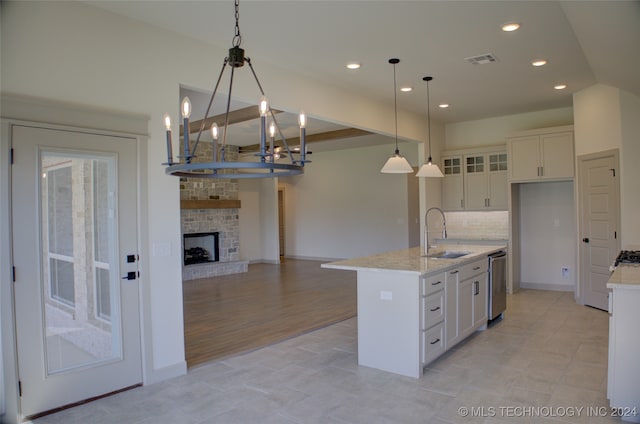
[
  {"x": 412, "y": 260},
  {"x": 625, "y": 276}
]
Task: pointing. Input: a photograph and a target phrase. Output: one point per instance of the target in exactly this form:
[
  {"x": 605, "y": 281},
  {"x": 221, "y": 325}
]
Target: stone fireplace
[{"x": 210, "y": 205}]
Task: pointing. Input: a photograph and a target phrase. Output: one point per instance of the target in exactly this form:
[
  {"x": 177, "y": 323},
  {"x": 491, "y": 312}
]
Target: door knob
[
  {"x": 586, "y": 239},
  {"x": 131, "y": 275}
]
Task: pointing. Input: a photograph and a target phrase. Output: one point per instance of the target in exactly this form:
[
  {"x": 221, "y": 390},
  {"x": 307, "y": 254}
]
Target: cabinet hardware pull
[
  {"x": 454, "y": 272},
  {"x": 476, "y": 287},
  {"x": 476, "y": 268},
  {"x": 434, "y": 309},
  {"x": 436, "y": 283},
  {"x": 435, "y": 341}
]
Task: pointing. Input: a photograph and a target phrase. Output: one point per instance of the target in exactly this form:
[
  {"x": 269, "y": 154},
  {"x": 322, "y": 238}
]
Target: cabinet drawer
[
  {"x": 432, "y": 343},
  {"x": 474, "y": 268},
  {"x": 433, "y": 309},
  {"x": 432, "y": 284}
]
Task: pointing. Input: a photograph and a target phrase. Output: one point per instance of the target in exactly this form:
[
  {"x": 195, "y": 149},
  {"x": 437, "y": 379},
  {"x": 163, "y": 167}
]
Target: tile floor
[{"x": 547, "y": 357}]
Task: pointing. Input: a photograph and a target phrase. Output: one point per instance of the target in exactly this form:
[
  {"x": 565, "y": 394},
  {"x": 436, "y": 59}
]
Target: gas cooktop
[{"x": 628, "y": 257}]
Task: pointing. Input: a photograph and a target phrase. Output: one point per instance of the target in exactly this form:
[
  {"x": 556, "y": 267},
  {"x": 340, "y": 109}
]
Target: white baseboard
[
  {"x": 563, "y": 287},
  {"x": 313, "y": 258}
]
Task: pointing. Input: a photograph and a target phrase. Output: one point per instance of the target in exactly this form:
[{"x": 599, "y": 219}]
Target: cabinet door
[
  {"x": 476, "y": 188},
  {"x": 451, "y": 309},
  {"x": 524, "y": 158},
  {"x": 480, "y": 305},
  {"x": 557, "y": 155},
  {"x": 465, "y": 308},
  {"x": 497, "y": 181},
  {"x": 452, "y": 184}
]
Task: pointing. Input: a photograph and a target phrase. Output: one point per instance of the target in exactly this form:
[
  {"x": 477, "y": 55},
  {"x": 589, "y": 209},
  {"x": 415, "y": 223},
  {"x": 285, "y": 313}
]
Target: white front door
[
  {"x": 74, "y": 225},
  {"x": 599, "y": 212}
]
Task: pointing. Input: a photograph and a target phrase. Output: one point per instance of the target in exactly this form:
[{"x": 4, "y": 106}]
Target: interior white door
[
  {"x": 599, "y": 225},
  {"x": 74, "y": 221}
]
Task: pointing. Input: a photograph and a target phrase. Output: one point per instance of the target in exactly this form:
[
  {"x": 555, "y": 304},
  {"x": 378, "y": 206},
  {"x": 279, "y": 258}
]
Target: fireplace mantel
[{"x": 210, "y": 204}]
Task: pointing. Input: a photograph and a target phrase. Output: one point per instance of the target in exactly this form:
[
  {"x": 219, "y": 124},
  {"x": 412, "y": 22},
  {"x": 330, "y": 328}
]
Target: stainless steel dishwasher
[{"x": 497, "y": 284}]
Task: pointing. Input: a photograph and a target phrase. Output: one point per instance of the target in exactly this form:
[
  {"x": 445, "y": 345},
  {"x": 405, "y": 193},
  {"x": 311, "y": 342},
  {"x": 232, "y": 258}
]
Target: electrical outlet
[{"x": 565, "y": 272}]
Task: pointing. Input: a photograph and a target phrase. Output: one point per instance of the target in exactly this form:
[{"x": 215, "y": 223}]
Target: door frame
[
  {"x": 19, "y": 110},
  {"x": 615, "y": 153}
]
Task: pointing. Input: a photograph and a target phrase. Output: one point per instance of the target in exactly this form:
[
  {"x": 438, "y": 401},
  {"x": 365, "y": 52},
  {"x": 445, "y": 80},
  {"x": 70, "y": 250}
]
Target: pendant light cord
[
  {"x": 395, "y": 101},
  {"x": 427, "y": 79}
]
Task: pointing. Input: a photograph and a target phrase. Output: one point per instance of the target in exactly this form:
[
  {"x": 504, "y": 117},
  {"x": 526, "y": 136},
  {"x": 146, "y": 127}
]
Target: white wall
[
  {"x": 630, "y": 171},
  {"x": 547, "y": 234},
  {"x": 607, "y": 118},
  {"x": 484, "y": 132},
  {"x": 343, "y": 207},
  {"x": 249, "y": 213}
]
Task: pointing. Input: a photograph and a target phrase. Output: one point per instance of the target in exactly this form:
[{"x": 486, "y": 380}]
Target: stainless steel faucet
[{"x": 426, "y": 228}]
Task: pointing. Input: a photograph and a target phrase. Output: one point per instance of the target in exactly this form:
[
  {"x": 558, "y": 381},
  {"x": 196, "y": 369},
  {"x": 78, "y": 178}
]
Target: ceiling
[{"x": 584, "y": 42}]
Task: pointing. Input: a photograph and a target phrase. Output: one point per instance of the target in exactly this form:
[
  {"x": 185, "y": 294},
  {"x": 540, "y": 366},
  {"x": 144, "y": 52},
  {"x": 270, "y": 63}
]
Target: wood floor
[{"x": 236, "y": 313}]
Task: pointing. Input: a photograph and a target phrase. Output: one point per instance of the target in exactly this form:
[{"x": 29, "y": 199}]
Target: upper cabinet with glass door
[{"x": 480, "y": 183}]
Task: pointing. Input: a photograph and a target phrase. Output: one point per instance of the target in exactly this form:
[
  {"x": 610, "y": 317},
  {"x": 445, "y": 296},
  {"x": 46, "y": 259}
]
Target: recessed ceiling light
[
  {"x": 406, "y": 89},
  {"x": 560, "y": 86},
  {"x": 540, "y": 62},
  {"x": 353, "y": 65},
  {"x": 510, "y": 26},
  {"x": 444, "y": 105}
]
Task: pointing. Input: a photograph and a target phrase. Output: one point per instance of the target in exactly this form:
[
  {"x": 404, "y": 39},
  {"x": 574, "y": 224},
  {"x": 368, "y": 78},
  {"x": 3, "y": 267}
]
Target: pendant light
[
  {"x": 429, "y": 169},
  {"x": 396, "y": 164}
]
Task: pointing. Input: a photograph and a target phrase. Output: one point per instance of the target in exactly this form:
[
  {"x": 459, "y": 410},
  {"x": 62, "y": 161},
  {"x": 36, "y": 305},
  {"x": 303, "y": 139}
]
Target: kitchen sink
[{"x": 447, "y": 254}]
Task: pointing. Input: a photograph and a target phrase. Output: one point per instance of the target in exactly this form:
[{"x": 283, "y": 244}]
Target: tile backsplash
[{"x": 478, "y": 225}]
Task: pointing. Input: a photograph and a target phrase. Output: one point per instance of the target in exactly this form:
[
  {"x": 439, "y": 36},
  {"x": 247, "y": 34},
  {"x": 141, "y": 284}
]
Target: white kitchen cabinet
[
  {"x": 545, "y": 154},
  {"x": 452, "y": 183},
  {"x": 485, "y": 181},
  {"x": 480, "y": 300},
  {"x": 451, "y": 309},
  {"x": 475, "y": 179},
  {"x": 432, "y": 312},
  {"x": 624, "y": 343},
  {"x": 466, "y": 301}
]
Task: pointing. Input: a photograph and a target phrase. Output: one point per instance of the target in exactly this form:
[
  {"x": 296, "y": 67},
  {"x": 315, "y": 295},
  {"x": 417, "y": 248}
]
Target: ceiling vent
[{"x": 482, "y": 59}]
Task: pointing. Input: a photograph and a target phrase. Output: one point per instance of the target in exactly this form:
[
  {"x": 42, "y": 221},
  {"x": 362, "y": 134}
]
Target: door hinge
[
  {"x": 11, "y": 156},
  {"x": 613, "y": 170},
  {"x": 19, "y": 388}
]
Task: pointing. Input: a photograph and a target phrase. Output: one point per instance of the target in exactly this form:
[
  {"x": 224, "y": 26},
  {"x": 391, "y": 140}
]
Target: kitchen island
[{"x": 412, "y": 308}]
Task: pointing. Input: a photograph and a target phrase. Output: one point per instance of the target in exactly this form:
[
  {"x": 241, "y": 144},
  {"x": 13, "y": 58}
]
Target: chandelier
[{"x": 217, "y": 166}]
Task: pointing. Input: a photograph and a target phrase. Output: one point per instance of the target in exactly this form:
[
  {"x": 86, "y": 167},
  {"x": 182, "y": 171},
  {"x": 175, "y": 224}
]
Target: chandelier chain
[{"x": 237, "y": 38}]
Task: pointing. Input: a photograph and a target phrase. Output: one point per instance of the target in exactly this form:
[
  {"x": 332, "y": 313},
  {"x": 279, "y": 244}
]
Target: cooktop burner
[{"x": 628, "y": 257}]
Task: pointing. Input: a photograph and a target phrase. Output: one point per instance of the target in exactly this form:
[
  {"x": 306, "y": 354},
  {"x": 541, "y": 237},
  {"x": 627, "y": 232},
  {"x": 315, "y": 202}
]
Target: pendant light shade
[
  {"x": 396, "y": 164},
  {"x": 429, "y": 169}
]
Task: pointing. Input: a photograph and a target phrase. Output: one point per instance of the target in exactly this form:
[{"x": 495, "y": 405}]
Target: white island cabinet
[
  {"x": 623, "y": 385},
  {"x": 411, "y": 309}
]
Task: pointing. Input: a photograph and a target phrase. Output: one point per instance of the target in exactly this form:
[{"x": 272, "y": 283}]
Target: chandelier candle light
[
  {"x": 396, "y": 164},
  {"x": 266, "y": 165},
  {"x": 429, "y": 169}
]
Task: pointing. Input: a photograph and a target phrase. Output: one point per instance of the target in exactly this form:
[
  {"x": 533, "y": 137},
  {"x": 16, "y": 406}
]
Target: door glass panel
[{"x": 80, "y": 266}]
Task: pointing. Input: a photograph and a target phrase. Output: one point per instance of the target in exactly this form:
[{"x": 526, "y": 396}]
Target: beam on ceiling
[
  {"x": 312, "y": 138},
  {"x": 248, "y": 113}
]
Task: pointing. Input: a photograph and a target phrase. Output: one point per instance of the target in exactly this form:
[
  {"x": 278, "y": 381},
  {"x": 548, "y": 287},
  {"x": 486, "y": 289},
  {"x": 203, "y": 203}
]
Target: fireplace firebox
[{"x": 201, "y": 248}]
